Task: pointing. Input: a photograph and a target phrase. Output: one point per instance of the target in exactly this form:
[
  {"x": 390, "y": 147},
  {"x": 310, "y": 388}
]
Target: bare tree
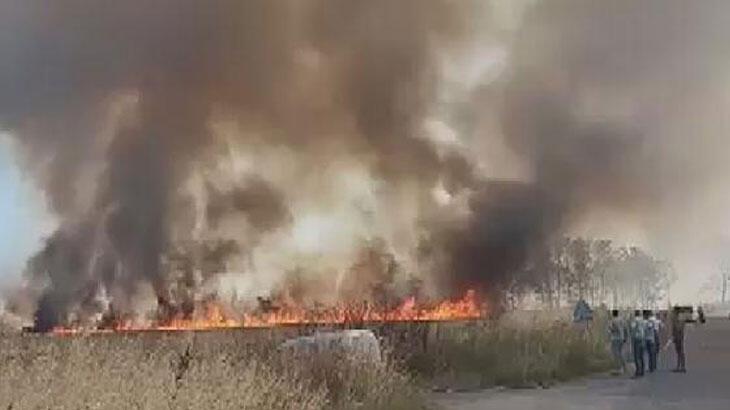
[{"x": 579, "y": 268}]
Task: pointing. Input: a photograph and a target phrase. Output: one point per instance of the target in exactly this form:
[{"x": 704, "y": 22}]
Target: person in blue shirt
[
  {"x": 651, "y": 337},
  {"x": 637, "y": 329}
]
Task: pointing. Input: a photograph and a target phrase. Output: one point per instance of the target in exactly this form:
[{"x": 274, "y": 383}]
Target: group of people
[{"x": 645, "y": 333}]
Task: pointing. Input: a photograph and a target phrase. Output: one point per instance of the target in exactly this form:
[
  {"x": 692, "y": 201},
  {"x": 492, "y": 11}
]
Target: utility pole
[{"x": 725, "y": 275}]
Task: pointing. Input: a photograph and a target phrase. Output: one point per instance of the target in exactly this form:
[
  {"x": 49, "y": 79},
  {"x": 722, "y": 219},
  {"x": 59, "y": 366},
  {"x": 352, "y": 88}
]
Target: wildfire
[{"x": 214, "y": 316}]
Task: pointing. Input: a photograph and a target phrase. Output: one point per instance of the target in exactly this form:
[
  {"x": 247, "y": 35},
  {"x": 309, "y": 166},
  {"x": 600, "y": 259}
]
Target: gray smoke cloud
[
  {"x": 264, "y": 206},
  {"x": 612, "y": 105},
  {"x": 181, "y": 64},
  {"x": 117, "y": 106}
]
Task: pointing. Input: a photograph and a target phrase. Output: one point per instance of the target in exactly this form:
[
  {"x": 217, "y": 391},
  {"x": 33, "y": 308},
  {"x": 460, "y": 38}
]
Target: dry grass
[
  {"x": 243, "y": 370},
  {"x": 514, "y": 353},
  {"x": 194, "y": 371}
]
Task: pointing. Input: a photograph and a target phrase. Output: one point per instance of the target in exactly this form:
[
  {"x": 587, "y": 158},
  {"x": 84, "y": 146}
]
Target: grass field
[
  {"x": 244, "y": 370},
  {"x": 513, "y": 353}
]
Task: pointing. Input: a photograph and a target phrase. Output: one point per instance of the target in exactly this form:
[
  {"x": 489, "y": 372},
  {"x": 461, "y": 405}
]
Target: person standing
[
  {"x": 617, "y": 332},
  {"x": 701, "y": 315},
  {"x": 638, "y": 340},
  {"x": 678, "y": 339},
  {"x": 652, "y": 339},
  {"x": 659, "y": 329}
]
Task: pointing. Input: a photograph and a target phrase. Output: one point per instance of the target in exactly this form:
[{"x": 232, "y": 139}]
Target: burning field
[
  {"x": 238, "y": 165},
  {"x": 267, "y": 167},
  {"x": 363, "y": 158},
  {"x": 214, "y": 316}
]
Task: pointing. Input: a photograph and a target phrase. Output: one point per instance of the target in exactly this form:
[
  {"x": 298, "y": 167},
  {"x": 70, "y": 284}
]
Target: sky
[{"x": 25, "y": 221}]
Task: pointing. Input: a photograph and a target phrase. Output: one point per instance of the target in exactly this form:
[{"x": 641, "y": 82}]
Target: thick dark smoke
[
  {"x": 181, "y": 63},
  {"x": 115, "y": 107},
  {"x": 263, "y": 206}
]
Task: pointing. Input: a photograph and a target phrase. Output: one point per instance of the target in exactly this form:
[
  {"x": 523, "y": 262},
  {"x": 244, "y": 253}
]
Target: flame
[{"x": 214, "y": 316}]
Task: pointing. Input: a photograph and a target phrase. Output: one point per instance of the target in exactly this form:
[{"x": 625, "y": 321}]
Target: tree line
[{"x": 595, "y": 270}]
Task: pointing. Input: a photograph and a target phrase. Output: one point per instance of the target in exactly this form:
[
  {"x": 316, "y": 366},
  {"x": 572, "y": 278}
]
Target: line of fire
[
  {"x": 213, "y": 315},
  {"x": 194, "y": 299}
]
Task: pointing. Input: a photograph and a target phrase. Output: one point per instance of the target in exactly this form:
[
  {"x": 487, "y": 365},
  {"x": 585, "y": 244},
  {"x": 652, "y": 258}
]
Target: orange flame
[{"x": 214, "y": 317}]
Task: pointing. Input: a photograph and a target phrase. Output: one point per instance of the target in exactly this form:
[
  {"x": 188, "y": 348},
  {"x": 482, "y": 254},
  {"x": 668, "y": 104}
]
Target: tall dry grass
[
  {"x": 193, "y": 371},
  {"x": 513, "y": 352},
  {"x": 244, "y": 370}
]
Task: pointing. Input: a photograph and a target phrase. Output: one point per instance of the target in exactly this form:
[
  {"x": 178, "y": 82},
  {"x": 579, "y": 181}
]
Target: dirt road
[{"x": 706, "y": 385}]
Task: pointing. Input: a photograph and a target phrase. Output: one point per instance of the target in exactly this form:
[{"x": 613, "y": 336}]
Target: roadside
[{"x": 703, "y": 387}]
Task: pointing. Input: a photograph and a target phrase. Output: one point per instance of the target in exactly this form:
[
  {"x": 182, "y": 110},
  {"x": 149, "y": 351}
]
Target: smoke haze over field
[
  {"x": 261, "y": 138},
  {"x": 624, "y": 104}
]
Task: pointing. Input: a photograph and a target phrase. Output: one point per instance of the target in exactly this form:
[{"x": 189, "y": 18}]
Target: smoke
[
  {"x": 260, "y": 202},
  {"x": 609, "y": 106},
  {"x": 265, "y": 137},
  {"x": 120, "y": 108}
]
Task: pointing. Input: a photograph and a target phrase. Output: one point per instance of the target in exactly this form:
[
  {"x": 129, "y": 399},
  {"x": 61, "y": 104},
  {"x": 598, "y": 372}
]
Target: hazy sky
[{"x": 24, "y": 220}]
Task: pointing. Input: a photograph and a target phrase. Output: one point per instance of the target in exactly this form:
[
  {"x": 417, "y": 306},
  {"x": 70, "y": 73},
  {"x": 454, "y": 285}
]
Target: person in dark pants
[
  {"x": 652, "y": 340},
  {"x": 701, "y": 315},
  {"x": 637, "y": 329},
  {"x": 617, "y": 333},
  {"x": 678, "y": 340}
]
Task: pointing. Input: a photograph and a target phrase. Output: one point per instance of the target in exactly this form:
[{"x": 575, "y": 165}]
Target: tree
[
  {"x": 580, "y": 265},
  {"x": 604, "y": 256},
  {"x": 578, "y": 268}
]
